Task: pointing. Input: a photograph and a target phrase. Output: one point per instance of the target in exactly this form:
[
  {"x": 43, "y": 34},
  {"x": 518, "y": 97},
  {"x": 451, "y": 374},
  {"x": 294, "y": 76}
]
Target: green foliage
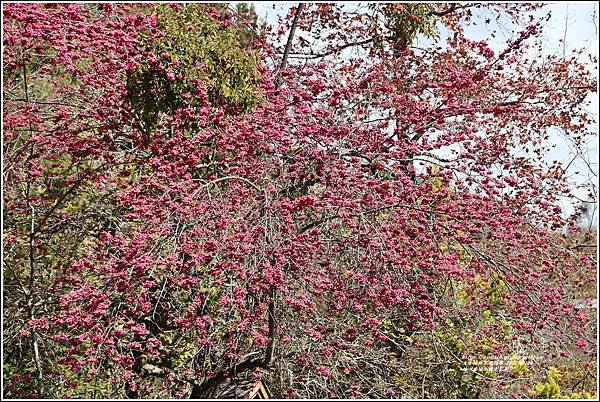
[
  {"x": 550, "y": 389},
  {"x": 436, "y": 184},
  {"x": 497, "y": 290},
  {"x": 407, "y": 21},
  {"x": 555, "y": 381},
  {"x": 183, "y": 360},
  {"x": 518, "y": 365},
  {"x": 77, "y": 385},
  {"x": 582, "y": 395},
  {"x": 12, "y": 388},
  {"x": 196, "y": 56}
]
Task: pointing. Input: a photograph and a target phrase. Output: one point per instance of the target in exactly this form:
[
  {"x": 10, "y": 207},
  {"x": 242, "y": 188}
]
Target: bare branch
[{"x": 288, "y": 45}]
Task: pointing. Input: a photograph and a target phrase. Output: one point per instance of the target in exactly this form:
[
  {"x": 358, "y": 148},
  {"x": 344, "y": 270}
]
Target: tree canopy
[{"x": 191, "y": 195}]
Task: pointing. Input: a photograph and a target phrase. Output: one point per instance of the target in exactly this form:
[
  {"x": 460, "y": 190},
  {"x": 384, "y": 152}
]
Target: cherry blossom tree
[{"x": 186, "y": 200}]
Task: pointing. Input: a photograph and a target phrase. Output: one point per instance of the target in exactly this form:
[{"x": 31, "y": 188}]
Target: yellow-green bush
[
  {"x": 196, "y": 54},
  {"x": 551, "y": 388}
]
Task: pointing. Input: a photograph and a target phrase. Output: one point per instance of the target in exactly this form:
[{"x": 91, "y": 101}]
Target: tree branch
[
  {"x": 288, "y": 45},
  {"x": 334, "y": 50},
  {"x": 450, "y": 9},
  {"x": 272, "y": 330},
  {"x": 198, "y": 390}
]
